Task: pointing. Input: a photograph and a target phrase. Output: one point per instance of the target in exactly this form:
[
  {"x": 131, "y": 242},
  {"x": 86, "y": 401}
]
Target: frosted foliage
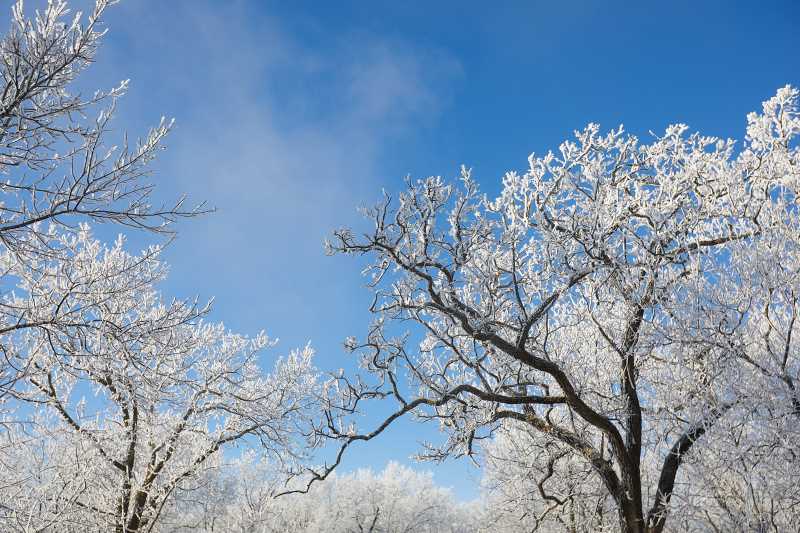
[
  {"x": 112, "y": 398},
  {"x": 142, "y": 390},
  {"x": 628, "y": 306},
  {"x": 58, "y": 165},
  {"x": 529, "y": 485},
  {"x": 398, "y": 499}
]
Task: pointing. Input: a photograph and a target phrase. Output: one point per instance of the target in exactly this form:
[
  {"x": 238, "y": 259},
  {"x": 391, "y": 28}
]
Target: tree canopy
[
  {"x": 626, "y": 304},
  {"x": 612, "y": 337}
]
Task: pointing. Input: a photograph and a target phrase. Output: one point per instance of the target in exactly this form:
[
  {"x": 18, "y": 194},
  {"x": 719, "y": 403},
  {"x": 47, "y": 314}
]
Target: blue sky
[{"x": 291, "y": 114}]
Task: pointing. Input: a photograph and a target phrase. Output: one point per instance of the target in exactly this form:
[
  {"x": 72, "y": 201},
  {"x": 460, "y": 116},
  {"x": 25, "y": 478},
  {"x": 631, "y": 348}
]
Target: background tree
[
  {"x": 240, "y": 498},
  {"x": 598, "y": 301}
]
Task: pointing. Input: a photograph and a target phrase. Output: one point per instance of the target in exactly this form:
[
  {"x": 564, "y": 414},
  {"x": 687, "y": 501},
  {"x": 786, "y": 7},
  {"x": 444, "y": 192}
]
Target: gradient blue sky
[{"x": 291, "y": 114}]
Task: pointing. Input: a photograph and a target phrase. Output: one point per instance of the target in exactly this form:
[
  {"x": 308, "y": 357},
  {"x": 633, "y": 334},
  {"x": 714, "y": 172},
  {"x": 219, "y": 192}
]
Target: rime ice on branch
[
  {"x": 58, "y": 167},
  {"x": 625, "y": 306},
  {"x": 139, "y": 397},
  {"x": 112, "y": 398}
]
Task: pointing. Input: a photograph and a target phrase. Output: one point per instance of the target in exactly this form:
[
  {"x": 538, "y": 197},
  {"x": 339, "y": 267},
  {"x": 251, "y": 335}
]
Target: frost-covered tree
[
  {"x": 744, "y": 478},
  {"x": 396, "y": 500},
  {"x": 142, "y": 390},
  {"x": 739, "y": 482},
  {"x": 240, "y": 498},
  {"x": 58, "y": 166},
  {"x": 623, "y": 303},
  {"x": 113, "y": 399}
]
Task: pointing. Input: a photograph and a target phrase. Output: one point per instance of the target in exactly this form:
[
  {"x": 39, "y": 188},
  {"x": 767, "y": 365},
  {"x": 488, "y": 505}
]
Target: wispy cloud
[{"x": 285, "y": 137}]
